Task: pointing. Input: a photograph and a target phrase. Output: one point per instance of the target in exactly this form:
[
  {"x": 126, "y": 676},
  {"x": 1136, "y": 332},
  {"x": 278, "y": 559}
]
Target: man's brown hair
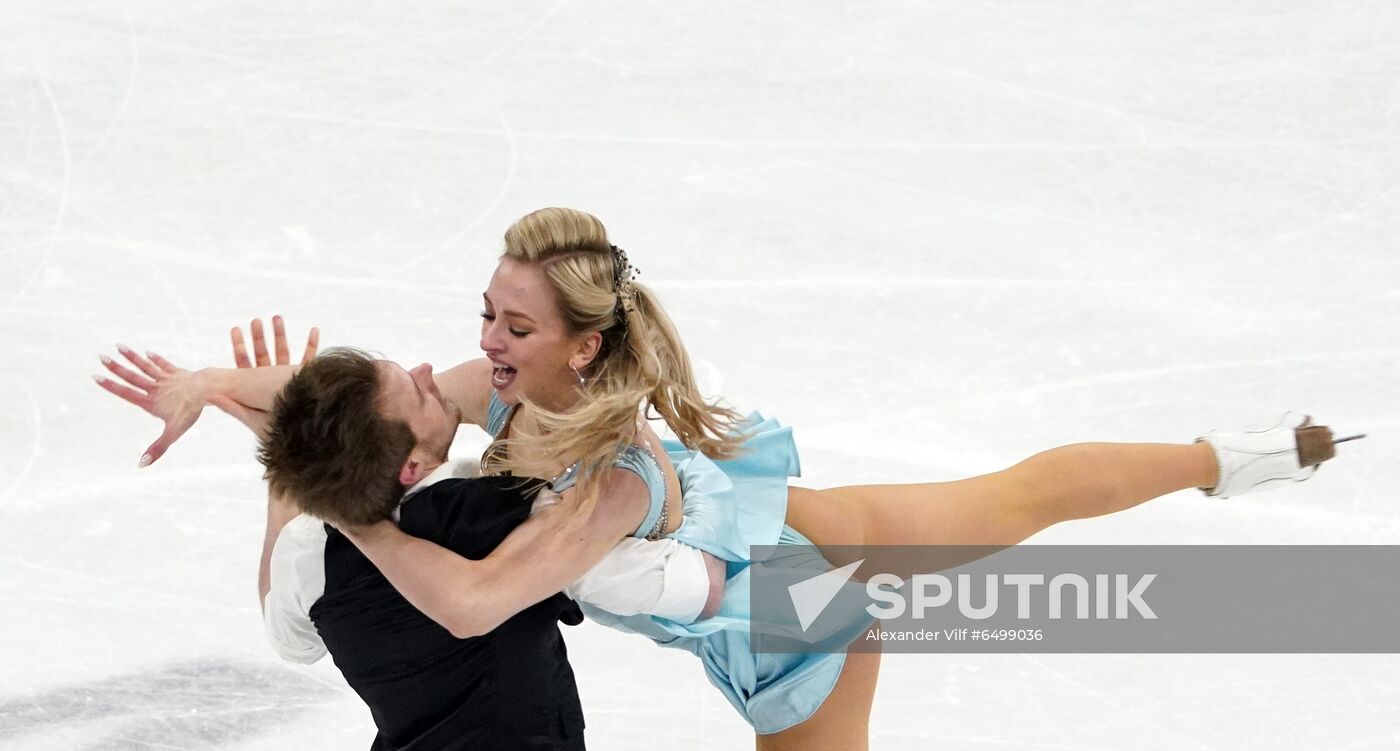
[{"x": 328, "y": 450}]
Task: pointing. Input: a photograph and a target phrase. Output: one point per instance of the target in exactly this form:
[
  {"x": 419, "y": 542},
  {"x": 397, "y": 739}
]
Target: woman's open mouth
[{"x": 502, "y": 376}]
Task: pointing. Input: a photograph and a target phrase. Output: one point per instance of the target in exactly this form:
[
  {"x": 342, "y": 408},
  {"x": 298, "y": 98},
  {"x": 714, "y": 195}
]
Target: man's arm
[
  {"x": 291, "y": 578},
  {"x": 279, "y": 512},
  {"x": 297, "y": 579},
  {"x": 541, "y": 557}
]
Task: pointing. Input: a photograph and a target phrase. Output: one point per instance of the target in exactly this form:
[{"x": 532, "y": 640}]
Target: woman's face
[{"x": 523, "y": 334}]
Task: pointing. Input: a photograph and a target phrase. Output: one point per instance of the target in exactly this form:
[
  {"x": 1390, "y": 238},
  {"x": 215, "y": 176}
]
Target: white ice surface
[{"x": 934, "y": 237}]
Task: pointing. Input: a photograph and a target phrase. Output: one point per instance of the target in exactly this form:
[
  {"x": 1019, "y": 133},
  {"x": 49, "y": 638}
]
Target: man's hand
[
  {"x": 173, "y": 395},
  {"x": 257, "y": 420},
  {"x": 279, "y": 340}
]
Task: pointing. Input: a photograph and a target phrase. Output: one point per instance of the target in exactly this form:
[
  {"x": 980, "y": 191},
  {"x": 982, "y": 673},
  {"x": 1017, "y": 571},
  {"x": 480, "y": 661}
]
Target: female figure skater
[{"x": 576, "y": 349}]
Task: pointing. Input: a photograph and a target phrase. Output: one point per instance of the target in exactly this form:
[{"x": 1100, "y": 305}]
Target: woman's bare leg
[
  {"x": 1006, "y": 507},
  {"x": 843, "y": 721},
  {"x": 998, "y": 509}
]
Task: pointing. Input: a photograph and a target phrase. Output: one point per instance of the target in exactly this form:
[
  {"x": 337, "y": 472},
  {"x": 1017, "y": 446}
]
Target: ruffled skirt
[{"x": 729, "y": 507}]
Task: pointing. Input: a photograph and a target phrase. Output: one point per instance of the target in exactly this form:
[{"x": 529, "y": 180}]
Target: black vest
[{"x": 509, "y": 689}]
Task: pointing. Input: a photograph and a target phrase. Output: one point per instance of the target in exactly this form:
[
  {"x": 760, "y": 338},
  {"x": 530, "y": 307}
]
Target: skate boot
[{"x": 1268, "y": 458}]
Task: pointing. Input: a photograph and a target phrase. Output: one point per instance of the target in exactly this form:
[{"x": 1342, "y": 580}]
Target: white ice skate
[{"x": 1268, "y": 458}]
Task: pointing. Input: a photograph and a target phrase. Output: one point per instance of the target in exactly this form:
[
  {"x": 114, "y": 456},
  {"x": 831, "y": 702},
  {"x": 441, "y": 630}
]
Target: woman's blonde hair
[{"x": 641, "y": 360}]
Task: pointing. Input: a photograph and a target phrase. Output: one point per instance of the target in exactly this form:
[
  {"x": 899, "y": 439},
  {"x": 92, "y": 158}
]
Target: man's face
[{"x": 412, "y": 397}]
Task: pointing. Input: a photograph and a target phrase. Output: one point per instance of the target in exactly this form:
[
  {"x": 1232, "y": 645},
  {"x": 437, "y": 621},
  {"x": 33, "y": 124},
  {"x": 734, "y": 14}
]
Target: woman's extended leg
[
  {"x": 843, "y": 721},
  {"x": 1001, "y": 508},
  {"x": 1006, "y": 507}
]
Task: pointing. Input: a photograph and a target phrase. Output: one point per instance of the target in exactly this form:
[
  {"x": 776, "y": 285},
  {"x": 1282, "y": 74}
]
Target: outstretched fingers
[
  {"x": 259, "y": 343},
  {"x": 313, "y": 343},
  {"x": 175, "y": 426},
  {"x": 126, "y": 374},
  {"x": 141, "y": 363},
  {"x": 281, "y": 352},
  {"x": 161, "y": 362},
  {"x": 157, "y": 450},
  {"x": 124, "y": 392},
  {"x": 279, "y": 341},
  {"x": 161, "y": 389},
  {"x": 240, "y": 348}
]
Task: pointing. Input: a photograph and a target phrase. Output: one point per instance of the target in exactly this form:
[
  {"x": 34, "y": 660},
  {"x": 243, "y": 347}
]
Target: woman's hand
[{"x": 174, "y": 395}]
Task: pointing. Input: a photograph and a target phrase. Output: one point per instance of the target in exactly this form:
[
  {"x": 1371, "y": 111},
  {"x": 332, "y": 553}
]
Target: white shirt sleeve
[
  {"x": 298, "y": 574},
  {"x": 665, "y": 578}
]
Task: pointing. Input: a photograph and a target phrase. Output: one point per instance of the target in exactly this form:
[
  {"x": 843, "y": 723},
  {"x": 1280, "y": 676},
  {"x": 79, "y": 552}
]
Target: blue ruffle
[{"x": 737, "y": 503}]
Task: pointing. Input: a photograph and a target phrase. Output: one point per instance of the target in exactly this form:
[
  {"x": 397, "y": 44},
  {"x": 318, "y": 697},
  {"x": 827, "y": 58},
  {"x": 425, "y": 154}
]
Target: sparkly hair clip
[{"x": 624, "y": 273}]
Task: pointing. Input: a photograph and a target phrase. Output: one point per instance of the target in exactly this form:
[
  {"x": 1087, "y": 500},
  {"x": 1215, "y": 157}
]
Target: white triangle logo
[{"x": 810, "y": 597}]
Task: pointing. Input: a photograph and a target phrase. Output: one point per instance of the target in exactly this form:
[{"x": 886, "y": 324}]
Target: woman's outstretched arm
[{"x": 177, "y": 396}]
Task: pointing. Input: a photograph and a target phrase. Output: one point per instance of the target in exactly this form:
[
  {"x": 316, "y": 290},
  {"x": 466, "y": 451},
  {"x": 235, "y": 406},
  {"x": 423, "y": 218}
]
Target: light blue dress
[{"x": 728, "y": 506}]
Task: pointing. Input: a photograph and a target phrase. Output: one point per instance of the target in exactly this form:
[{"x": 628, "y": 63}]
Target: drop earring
[{"x": 581, "y": 382}]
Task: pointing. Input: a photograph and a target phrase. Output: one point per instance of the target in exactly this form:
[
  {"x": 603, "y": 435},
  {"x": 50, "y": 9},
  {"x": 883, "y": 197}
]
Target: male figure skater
[{"x": 426, "y": 689}]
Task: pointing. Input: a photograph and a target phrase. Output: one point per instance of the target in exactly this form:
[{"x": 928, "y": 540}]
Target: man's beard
[{"x": 454, "y": 414}]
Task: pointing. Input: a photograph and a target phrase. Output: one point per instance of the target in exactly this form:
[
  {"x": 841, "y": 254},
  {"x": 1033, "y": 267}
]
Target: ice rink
[{"x": 935, "y": 238}]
